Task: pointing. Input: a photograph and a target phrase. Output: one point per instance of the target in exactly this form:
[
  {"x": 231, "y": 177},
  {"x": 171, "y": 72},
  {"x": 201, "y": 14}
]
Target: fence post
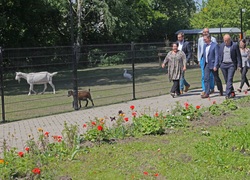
[
  {"x": 74, "y": 61},
  {"x": 133, "y": 67},
  {"x": 1, "y": 85}
]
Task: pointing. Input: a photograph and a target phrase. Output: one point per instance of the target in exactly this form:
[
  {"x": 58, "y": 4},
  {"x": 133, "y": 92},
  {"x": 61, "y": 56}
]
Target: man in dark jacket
[
  {"x": 211, "y": 64},
  {"x": 186, "y": 48},
  {"x": 229, "y": 60}
]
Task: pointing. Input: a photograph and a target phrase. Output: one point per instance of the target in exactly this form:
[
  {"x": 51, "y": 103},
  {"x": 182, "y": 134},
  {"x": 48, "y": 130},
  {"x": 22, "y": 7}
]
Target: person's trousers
[
  {"x": 228, "y": 70},
  {"x": 183, "y": 81},
  {"x": 244, "y": 79},
  {"x": 207, "y": 79},
  {"x": 202, "y": 65},
  {"x": 176, "y": 87}
]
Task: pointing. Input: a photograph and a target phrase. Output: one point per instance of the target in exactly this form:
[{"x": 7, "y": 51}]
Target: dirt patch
[{"x": 208, "y": 120}]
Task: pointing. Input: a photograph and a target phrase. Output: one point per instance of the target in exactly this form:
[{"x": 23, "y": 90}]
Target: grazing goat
[
  {"x": 37, "y": 78},
  {"x": 127, "y": 75},
  {"x": 82, "y": 96}
]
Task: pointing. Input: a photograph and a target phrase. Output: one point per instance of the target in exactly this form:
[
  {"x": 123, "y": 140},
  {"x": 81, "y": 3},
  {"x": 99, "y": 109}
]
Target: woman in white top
[{"x": 245, "y": 54}]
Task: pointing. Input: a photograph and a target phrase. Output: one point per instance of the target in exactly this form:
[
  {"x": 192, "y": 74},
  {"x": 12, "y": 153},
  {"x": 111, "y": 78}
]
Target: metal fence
[{"x": 100, "y": 68}]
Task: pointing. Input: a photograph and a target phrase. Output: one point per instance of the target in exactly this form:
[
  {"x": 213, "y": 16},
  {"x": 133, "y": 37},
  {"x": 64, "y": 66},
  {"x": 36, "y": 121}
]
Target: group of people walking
[{"x": 228, "y": 57}]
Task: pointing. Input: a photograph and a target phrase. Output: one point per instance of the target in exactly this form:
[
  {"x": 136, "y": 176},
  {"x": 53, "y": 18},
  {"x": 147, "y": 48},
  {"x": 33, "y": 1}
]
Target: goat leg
[{"x": 87, "y": 102}]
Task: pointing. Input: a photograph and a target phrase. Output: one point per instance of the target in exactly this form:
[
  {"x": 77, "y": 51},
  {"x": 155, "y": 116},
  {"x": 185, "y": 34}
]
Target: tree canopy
[
  {"x": 222, "y": 13},
  {"x": 26, "y": 23}
]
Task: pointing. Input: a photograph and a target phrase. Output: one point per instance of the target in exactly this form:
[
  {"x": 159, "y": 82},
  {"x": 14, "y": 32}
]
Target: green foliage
[
  {"x": 227, "y": 105},
  {"x": 98, "y": 57},
  {"x": 221, "y": 13},
  {"x": 147, "y": 125},
  {"x": 96, "y": 131},
  {"x": 94, "y": 21}
]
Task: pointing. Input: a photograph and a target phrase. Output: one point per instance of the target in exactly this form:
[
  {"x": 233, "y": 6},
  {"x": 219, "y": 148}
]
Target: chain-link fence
[{"x": 100, "y": 69}]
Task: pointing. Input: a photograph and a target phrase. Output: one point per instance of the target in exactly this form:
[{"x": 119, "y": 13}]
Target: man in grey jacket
[{"x": 229, "y": 60}]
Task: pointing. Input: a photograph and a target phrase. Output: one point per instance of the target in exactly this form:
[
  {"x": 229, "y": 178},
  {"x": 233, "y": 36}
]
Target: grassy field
[
  {"x": 107, "y": 86},
  {"x": 215, "y": 147}
]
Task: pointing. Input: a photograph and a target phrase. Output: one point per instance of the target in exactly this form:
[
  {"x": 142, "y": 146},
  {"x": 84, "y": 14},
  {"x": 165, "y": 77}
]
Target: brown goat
[{"x": 82, "y": 96}]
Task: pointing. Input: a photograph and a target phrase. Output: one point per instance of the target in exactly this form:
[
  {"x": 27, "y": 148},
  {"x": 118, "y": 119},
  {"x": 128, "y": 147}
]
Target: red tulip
[
  {"x": 100, "y": 128},
  {"x": 20, "y": 154},
  {"x": 36, "y": 171},
  {"x": 132, "y": 107}
]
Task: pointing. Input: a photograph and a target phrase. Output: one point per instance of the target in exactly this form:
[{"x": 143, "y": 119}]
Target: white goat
[
  {"x": 37, "y": 78},
  {"x": 127, "y": 75}
]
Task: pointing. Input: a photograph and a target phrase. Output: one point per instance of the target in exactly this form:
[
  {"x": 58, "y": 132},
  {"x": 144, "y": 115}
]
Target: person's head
[
  {"x": 207, "y": 38},
  {"x": 174, "y": 46},
  {"x": 205, "y": 31},
  {"x": 243, "y": 43},
  {"x": 180, "y": 36},
  {"x": 227, "y": 39}
]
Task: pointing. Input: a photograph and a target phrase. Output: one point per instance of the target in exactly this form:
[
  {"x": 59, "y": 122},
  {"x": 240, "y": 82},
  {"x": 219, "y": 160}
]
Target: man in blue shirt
[{"x": 202, "y": 63}]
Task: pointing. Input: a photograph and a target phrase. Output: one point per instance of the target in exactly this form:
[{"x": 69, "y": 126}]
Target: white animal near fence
[
  {"x": 37, "y": 78},
  {"x": 127, "y": 75}
]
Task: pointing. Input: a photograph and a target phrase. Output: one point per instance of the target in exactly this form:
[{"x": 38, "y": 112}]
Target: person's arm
[
  {"x": 216, "y": 63},
  {"x": 184, "y": 61},
  {"x": 189, "y": 52},
  {"x": 238, "y": 55},
  {"x": 163, "y": 65},
  {"x": 198, "y": 50}
]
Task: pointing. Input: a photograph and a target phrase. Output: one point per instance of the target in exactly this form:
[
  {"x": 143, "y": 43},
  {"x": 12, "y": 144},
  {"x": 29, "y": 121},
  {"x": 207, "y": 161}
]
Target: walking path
[{"x": 17, "y": 133}]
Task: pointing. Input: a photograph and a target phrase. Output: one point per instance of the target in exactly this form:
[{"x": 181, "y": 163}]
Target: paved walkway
[{"x": 17, "y": 133}]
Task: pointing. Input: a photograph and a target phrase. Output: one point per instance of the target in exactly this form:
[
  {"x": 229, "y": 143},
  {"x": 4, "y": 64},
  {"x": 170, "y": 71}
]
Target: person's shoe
[
  {"x": 181, "y": 91},
  {"x": 211, "y": 91},
  {"x": 221, "y": 93},
  {"x": 202, "y": 93},
  {"x": 177, "y": 93},
  {"x": 186, "y": 88},
  {"x": 172, "y": 94},
  {"x": 205, "y": 96},
  {"x": 239, "y": 90},
  {"x": 248, "y": 89}
]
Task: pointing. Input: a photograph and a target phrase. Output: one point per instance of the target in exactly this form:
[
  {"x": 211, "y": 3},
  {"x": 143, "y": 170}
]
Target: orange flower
[
  {"x": 198, "y": 107},
  {"x": 27, "y": 149},
  {"x": 156, "y": 174},
  {"x": 40, "y": 130},
  {"x": 132, "y": 107},
  {"x": 1, "y": 161},
  {"x": 36, "y": 171},
  {"x": 84, "y": 125},
  {"x": 156, "y": 114},
  {"x": 126, "y": 119},
  {"x": 133, "y": 114},
  {"x": 100, "y": 128},
  {"x": 20, "y": 154},
  {"x": 145, "y": 173},
  {"x": 93, "y": 123}
]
